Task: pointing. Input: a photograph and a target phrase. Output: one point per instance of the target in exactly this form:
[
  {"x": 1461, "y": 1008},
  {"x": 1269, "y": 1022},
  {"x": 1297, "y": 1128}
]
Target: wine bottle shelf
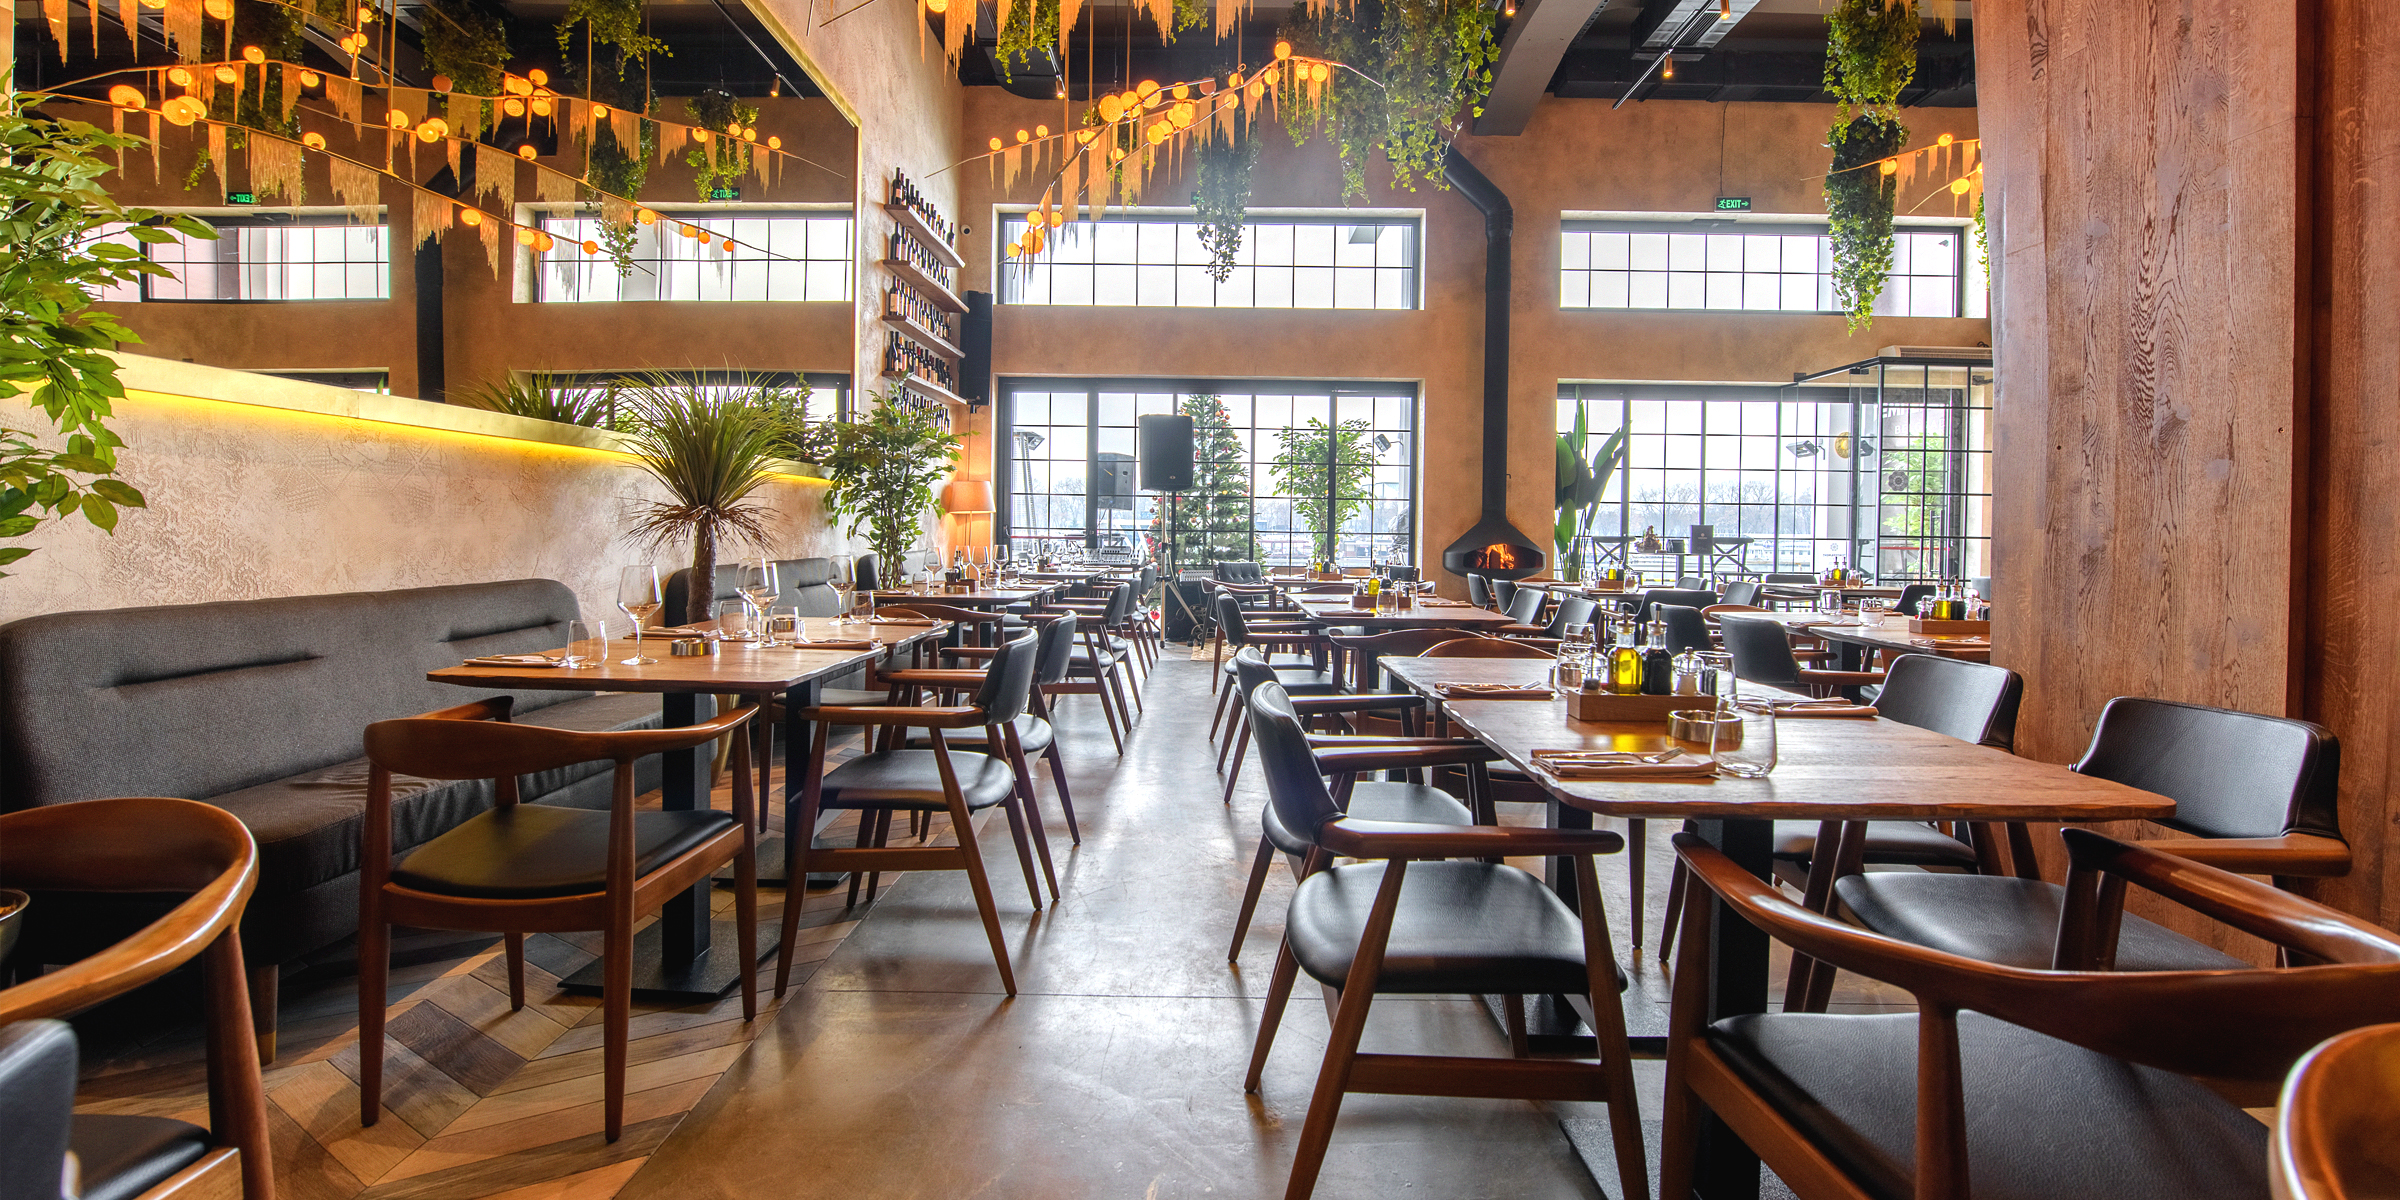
[
  {"x": 923, "y": 336},
  {"x": 928, "y": 388},
  {"x": 914, "y": 222},
  {"x": 943, "y": 298}
]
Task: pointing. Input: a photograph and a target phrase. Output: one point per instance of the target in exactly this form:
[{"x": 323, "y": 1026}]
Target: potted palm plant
[
  {"x": 884, "y": 470},
  {"x": 1581, "y": 480},
  {"x": 711, "y": 451}
]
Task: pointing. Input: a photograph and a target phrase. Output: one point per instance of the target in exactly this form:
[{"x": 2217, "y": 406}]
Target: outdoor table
[
  {"x": 679, "y": 959},
  {"x": 1844, "y": 770}
]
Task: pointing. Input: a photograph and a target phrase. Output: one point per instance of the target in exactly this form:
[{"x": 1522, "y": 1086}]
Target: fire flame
[{"x": 1498, "y": 558}]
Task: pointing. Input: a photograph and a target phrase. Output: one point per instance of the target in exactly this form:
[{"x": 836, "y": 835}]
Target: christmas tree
[{"x": 1213, "y": 522}]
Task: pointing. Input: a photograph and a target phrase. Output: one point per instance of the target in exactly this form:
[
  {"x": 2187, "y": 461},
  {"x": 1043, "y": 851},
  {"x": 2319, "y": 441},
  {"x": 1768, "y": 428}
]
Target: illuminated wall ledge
[{"x": 168, "y": 377}]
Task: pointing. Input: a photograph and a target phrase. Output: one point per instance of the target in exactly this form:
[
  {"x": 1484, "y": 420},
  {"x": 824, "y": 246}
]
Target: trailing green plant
[
  {"x": 719, "y": 161},
  {"x": 1221, "y": 194},
  {"x": 1326, "y": 470},
  {"x": 257, "y": 104},
  {"x": 466, "y": 40},
  {"x": 1425, "y": 63},
  {"x": 884, "y": 469},
  {"x": 1030, "y": 32},
  {"x": 1870, "y": 57},
  {"x": 615, "y": 45},
  {"x": 545, "y": 397},
  {"x": 57, "y": 222},
  {"x": 616, "y": 24},
  {"x": 711, "y": 452},
  {"x": 1581, "y": 481},
  {"x": 796, "y": 437}
]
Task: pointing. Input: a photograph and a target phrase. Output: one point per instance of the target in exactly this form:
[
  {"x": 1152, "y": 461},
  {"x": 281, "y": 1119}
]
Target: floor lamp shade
[{"x": 967, "y": 496}]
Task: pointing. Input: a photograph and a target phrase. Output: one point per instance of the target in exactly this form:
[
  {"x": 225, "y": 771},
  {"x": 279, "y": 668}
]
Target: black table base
[{"x": 707, "y": 979}]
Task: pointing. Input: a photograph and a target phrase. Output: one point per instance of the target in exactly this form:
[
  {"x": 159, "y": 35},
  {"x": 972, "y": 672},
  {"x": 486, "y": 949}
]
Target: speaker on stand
[{"x": 1167, "y": 466}]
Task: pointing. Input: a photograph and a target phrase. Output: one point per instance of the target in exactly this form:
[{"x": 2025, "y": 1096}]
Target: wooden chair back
[
  {"x": 1473, "y": 646},
  {"x": 478, "y": 741},
  {"x": 1526, "y": 605},
  {"x": 2231, "y": 774},
  {"x": 1971, "y": 701},
  {"x": 2337, "y": 1129},
  {"x": 1479, "y": 591}
]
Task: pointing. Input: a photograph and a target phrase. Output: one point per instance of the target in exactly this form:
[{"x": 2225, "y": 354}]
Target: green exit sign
[
  {"x": 725, "y": 193},
  {"x": 1733, "y": 204},
  {"x": 241, "y": 197}
]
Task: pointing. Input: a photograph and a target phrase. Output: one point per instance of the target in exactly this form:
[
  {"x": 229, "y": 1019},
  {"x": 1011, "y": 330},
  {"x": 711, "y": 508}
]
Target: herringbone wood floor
[{"x": 479, "y": 1101}]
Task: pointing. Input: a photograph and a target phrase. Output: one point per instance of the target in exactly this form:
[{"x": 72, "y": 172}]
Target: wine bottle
[{"x": 1658, "y": 667}]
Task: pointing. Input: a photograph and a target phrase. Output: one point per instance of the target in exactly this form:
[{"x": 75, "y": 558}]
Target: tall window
[
  {"x": 1748, "y": 267},
  {"x": 799, "y": 254},
  {"x": 1350, "y": 261},
  {"x": 269, "y": 255},
  {"x": 1888, "y": 470},
  {"x": 828, "y": 392},
  {"x": 1286, "y": 472}
]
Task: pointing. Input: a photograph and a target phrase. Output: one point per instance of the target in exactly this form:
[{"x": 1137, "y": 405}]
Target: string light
[
  {"x": 526, "y": 152},
  {"x": 313, "y": 140},
  {"x": 127, "y": 97},
  {"x": 253, "y": 55},
  {"x": 1667, "y": 69},
  {"x": 310, "y": 79}
]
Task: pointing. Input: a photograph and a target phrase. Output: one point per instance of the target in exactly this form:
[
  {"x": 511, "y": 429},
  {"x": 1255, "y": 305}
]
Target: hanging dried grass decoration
[
  {"x": 129, "y": 15},
  {"x": 346, "y": 95},
  {"x": 489, "y": 230},
  {"x": 154, "y": 143},
  {"x": 291, "y": 89},
  {"x": 216, "y": 153},
  {"x": 55, "y": 13},
  {"x": 183, "y": 23},
  {"x": 553, "y": 187},
  {"x": 671, "y": 139},
  {"x": 496, "y": 174},
  {"x": 360, "y": 189},
  {"x": 275, "y": 168},
  {"x": 429, "y": 215}
]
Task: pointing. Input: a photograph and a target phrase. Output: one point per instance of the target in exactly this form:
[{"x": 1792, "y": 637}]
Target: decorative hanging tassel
[
  {"x": 626, "y": 127},
  {"x": 496, "y": 175},
  {"x": 55, "y": 12},
  {"x": 1070, "y": 188},
  {"x": 129, "y": 15},
  {"x": 154, "y": 152},
  {"x": 183, "y": 22},
  {"x": 429, "y": 216},
  {"x": 360, "y": 189},
  {"x": 291, "y": 90},
  {"x": 958, "y": 27},
  {"x": 275, "y": 168},
  {"x": 466, "y": 117},
  {"x": 1068, "y": 12},
  {"x": 346, "y": 95},
  {"x": 553, "y": 187},
  {"x": 1229, "y": 17},
  {"x": 216, "y": 154},
  {"x": 670, "y": 141}
]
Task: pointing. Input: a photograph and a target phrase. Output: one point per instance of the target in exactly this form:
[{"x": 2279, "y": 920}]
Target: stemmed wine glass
[
  {"x": 758, "y": 589},
  {"x": 638, "y": 597},
  {"x": 845, "y": 586}
]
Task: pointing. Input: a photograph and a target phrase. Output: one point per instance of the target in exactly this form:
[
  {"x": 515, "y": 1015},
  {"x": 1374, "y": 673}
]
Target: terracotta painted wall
[{"x": 1688, "y": 154}]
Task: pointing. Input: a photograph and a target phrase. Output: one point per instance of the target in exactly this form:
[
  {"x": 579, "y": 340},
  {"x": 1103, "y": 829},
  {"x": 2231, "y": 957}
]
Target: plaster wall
[{"x": 1576, "y": 156}]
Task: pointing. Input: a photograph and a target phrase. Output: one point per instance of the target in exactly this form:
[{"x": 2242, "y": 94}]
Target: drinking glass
[
  {"x": 587, "y": 645},
  {"x": 639, "y": 597},
  {"x": 1716, "y": 678},
  {"x": 1829, "y": 601},
  {"x": 784, "y": 627},
  {"x": 735, "y": 623},
  {"x": 757, "y": 584},
  {"x": 1752, "y": 755},
  {"x": 1574, "y": 655},
  {"x": 845, "y": 586}
]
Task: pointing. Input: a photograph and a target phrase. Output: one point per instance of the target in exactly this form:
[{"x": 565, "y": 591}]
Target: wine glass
[
  {"x": 757, "y": 586},
  {"x": 845, "y": 586},
  {"x": 638, "y": 596}
]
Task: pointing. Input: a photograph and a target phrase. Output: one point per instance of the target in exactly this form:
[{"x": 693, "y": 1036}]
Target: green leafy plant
[
  {"x": 1030, "y": 32},
  {"x": 258, "y": 104},
  {"x": 618, "y": 24},
  {"x": 1582, "y": 480},
  {"x": 711, "y": 452},
  {"x": 1213, "y": 521},
  {"x": 1425, "y": 63},
  {"x": 55, "y": 219},
  {"x": 545, "y": 397},
  {"x": 884, "y": 469},
  {"x": 1221, "y": 194},
  {"x": 719, "y": 161},
  {"x": 466, "y": 40},
  {"x": 1870, "y": 57},
  {"x": 1325, "y": 469}
]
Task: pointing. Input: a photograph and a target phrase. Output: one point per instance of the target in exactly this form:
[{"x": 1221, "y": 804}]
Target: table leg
[
  {"x": 797, "y": 733},
  {"x": 1728, "y": 1170},
  {"x": 683, "y": 923}
]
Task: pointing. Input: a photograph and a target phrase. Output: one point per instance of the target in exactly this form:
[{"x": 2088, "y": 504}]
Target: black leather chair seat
[
  {"x": 536, "y": 850},
  {"x": 853, "y": 697},
  {"x": 124, "y": 1156},
  {"x": 1033, "y": 734},
  {"x": 1280, "y": 662},
  {"x": 1415, "y": 803},
  {"x": 1467, "y": 927},
  {"x": 1904, "y": 842},
  {"x": 912, "y": 779},
  {"x": 2006, "y": 920},
  {"x": 2046, "y": 1120}
]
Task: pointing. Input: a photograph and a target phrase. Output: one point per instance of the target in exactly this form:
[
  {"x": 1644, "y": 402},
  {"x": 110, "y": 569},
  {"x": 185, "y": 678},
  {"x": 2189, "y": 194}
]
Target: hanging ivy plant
[
  {"x": 617, "y": 24},
  {"x": 1030, "y": 31},
  {"x": 1870, "y": 57},
  {"x": 1426, "y": 62},
  {"x": 466, "y": 40},
  {"x": 719, "y": 161},
  {"x": 258, "y": 104},
  {"x": 1221, "y": 172}
]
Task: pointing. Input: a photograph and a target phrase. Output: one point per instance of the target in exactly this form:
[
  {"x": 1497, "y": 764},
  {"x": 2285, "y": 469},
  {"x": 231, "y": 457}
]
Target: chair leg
[
  {"x": 883, "y": 837},
  {"x": 866, "y": 838},
  {"x": 1116, "y": 687},
  {"x": 981, "y": 884},
  {"x": 616, "y": 998},
  {"x": 516, "y": 970},
  {"x": 374, "y": 973},
  {"x": 1258, "y": 883},
  {"x": 1608, "y": 1028},
  {"x": 1219, "y": 718},
  {"x": 1279, "y": 994},
  {"x": 1341, "y": 1046},
  {"x": 1241, "y": 725},
  {"x": 1100, "y": 693},
  {"x": 1014, "y": 809},
  {"x": 265, "y": 983},
  {"x": 1058, "y": 776},
  {"x": 1677, "y": 884},
  {"x": 1240, "y": 752},
  {"x": 1033, "y": 812}
]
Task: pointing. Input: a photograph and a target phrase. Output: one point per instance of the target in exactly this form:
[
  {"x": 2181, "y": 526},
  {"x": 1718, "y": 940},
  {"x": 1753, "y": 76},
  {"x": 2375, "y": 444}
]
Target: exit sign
[
  {"x": 735, "y": 193},
  {"x": 1733, "y": 204},
  {"x": 241, "y": 197}
]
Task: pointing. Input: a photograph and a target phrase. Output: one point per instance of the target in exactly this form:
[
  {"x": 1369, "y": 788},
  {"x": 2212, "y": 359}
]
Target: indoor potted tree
[
  {"x": 884, "y": 469},
  {"x": 711, "y": 451}
]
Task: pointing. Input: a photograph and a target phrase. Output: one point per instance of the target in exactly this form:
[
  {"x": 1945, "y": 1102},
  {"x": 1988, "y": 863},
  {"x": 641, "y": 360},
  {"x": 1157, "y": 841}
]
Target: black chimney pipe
[{"x": 1492, "y": 546}]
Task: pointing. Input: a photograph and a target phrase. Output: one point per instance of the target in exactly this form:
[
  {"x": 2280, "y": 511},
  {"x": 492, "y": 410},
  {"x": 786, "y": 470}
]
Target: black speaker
[
  {"x": 975, "y": 338},
  {"x": 1113, "y": 486},
  {"x": 1166, "y": 453}
]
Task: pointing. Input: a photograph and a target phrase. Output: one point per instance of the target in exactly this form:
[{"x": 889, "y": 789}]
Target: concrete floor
[{"x": 901, "y": 1070}]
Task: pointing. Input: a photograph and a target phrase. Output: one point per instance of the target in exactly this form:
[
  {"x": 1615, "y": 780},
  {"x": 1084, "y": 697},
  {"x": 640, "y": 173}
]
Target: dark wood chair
[
  {"x": 1037, "y": 730},
  {"x": 2337, "y": 1128},
  {"x": 542, "y": 868},
  {"x": 1479, "y": 591},
  {"x": 2065, "y": 1080},
  {"x": 129, "y": 855},
  {"x": 1360, "y": 661},
  {"x": 1250, "y": 665},
  {"x": 1740, "y": 591},
  {"x": 1762, "y": 653},
  {"x": 2252, "y": 793},
  {"x": 936, "y": 779},
  {"x": 1432, "y": 911},
  {"x": 1297, "y": 652}
]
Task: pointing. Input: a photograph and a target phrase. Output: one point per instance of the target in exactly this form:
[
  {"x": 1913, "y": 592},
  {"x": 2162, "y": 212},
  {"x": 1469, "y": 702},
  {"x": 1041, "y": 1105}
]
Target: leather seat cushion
[
  {"x": 913, "y": 779},
  {"x": 123, "y": 1156},
  {"x": 2046, "y": 1119},
  {"x": 1414, "y": 803},
  {"x": 308, "y": 825},
  {"x": 1466, "y": 927},
  {"x": 534, "y": 851},
  {"x": 853, "y": 697},
  {"x": 2006, "y": 920},
  {"x": 1908, "y": 842},
  {"x": 1033, "y": 733}
]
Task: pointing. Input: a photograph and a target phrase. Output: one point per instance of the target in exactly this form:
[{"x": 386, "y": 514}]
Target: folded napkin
[
  {"x": 512, "y": 660},
  {"x": 1607, "y": 764},
  {"x": 1493, "y": 691},
  {"x": 1825, "y": 710},
  {"x": 1439, "y": 603},
  {"x": 829, "y": 644}
]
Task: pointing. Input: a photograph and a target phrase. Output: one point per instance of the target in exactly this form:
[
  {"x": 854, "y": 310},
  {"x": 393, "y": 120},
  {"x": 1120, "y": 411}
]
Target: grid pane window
[
  {"x": 1159, "y": 261},
  {"x": 268, "y": 258},
  {"x": 1276, "y": 465},
  {"x": 1747, "y": 269},
  {"x": 777, "y": 256}
]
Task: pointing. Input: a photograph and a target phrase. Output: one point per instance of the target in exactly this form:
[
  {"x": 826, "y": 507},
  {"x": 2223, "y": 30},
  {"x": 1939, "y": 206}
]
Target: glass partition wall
[
  {"x": 1883, "y": 465},
  {"x": 1285, "y": 472}
]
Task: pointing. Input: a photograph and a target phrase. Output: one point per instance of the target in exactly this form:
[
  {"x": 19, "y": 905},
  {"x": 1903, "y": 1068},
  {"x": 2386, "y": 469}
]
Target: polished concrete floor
[{"x": 900, "y": 1069}]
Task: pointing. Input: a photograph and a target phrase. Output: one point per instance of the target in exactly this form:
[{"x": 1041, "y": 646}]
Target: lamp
[{"x": 966, "y": 496}]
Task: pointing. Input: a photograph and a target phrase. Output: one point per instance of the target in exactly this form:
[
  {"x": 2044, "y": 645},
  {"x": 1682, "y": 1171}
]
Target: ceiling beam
[{"x": 1529, "y": 56}]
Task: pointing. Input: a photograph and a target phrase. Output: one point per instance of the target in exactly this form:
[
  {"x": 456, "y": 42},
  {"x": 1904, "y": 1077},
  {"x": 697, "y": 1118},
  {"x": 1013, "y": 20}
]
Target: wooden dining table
[
  {"x": 1893, "y": 636},
  {"x": 980, "y": 597},
  {"x": 1840, "y": 770},
  {"x": 1336, "y": 610},
  {"x": 680, "y": 959}
]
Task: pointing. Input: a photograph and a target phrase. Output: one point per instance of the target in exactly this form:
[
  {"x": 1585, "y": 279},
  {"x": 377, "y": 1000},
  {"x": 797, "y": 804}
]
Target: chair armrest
[
  {"x": 1287, "y": 639},
  {"x": 1354, "y": 838},
  {"x": 490, "y": 708},
  {"x": 2308, "y": 854},
  {"x": 1840, "y": 678},
  {"x": 1547, "y": 643},
  {"x": 1403, "y": 754},
  {"x": 1367, "y": 702},
  {"x": 937, "y": 676},
  {"x": 1521, "y": 630},
  {"x": 959, "y": 717}
]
